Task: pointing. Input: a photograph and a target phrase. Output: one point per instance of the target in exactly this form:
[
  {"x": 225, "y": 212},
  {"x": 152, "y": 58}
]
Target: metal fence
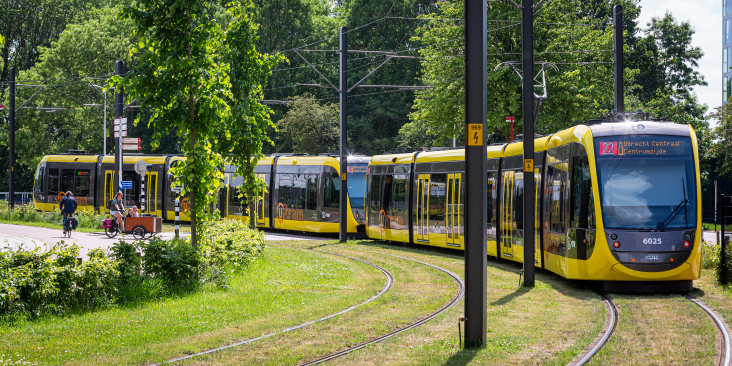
[{"x": 21, "y": 198}]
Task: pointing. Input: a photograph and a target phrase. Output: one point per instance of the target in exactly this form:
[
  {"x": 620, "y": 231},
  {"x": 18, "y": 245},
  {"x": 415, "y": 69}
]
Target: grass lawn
[
  {"x": 283, "y": 289},
  {"x": 659, "y": 330},
  {"x": 550, "y": 324}
]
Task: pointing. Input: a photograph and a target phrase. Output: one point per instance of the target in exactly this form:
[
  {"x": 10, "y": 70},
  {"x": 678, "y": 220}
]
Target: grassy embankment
[{"x": 549, "y": 324}]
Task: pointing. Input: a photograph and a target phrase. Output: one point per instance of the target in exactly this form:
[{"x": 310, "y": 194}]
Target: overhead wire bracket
[{"x": 540, "y": 98}]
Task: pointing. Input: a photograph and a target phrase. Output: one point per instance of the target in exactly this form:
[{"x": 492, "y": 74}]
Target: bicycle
[
  {"x": 111, "y": 228},
  {"x": 68, "y": 225}
]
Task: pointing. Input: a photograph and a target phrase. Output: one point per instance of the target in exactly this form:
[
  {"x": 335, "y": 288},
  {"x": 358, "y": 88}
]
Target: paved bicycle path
[{"x": 13, "y": 236}]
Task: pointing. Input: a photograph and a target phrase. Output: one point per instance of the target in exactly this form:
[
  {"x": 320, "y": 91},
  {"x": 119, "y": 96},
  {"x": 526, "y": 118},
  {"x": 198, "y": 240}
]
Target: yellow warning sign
[
  {"x": 475, "y": 134},
  {"x": 343, "y": 176},
  {"x": 528, "y": 165}
]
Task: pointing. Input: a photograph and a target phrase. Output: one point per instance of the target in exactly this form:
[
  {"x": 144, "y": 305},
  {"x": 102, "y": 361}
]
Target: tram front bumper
[{"x": 623, "y": 273}]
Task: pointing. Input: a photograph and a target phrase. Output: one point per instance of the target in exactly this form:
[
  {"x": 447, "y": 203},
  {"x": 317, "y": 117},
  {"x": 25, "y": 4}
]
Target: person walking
[{"x": 67, "y": 206}]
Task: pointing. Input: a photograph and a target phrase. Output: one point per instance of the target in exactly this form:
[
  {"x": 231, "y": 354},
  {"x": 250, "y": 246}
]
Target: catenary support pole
[
  {"x": 527, "y": 89},
  {"x": 104, "y": 132},
  {"x": 118, "y": 113},
  {"x": 11, "y": 143},
  {"x": 618, "y": 48},
  {"x": 343, "y": 211},
  {"x": 476, "y": 168}
]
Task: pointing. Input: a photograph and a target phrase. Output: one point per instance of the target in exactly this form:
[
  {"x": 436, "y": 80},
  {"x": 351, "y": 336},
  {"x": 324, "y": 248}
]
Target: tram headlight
[
  {"x": 616, "y": 244},
  {"x": 686, "y": 244}
]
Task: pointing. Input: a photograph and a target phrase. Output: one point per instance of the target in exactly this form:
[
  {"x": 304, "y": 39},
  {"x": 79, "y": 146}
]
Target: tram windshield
[
  {"x": 357, "y": 184},
  {"x": 646, "y": 182}
]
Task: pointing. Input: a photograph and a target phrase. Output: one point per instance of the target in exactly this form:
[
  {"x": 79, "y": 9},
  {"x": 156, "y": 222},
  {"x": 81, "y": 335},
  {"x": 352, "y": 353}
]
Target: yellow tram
[
  {"x": 302, "y": 193},
  {"x": 615, "y": 201}
]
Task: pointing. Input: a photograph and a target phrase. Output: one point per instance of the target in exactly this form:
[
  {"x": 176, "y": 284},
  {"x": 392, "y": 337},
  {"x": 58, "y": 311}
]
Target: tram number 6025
[{"x": 651, "y": 240}]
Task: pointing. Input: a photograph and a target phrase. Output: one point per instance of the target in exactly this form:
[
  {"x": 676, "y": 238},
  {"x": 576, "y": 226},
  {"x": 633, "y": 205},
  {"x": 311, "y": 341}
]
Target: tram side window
[
  {"x": 67, "y": 180},
  {"x": 312, "y": 192},
  {"x": 518, "y": 199},
  {"x": 38, "y": 187},
  {"x": 332, "y": 191},
  {"x": 438, "y": 189},
  {"x": 54, "y": 176},
  {"x": 83, "y": 181},
  {"x": 234, "y": 199},
  {"x": 583, "y": 209},
  {"x": 399, "y": 195},
  {"x": 375, "y": 198}
]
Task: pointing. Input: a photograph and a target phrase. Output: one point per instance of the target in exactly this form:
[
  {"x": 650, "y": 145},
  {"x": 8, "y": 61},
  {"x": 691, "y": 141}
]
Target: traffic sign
[
  {"x": 125, "y": 184},
  {"x": 119, "y": 120},
  {"x": 130, "y": 147},
  {"x": 123, "y": 133},
  {"x": 120, "y": 127},
  {"x": 131, "y": 140}
]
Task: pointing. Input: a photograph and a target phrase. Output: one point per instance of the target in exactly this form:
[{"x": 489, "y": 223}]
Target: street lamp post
[{"x": 104, "y": 151}]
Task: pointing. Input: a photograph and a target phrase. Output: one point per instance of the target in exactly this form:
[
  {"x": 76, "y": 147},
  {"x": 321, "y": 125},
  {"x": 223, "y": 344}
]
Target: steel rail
[
  {"x": 611, "y": 323},
  {"x": 387, "y": 287},
  {"x": 720, "y": 325},
  {"x": 416, "y": 324}
]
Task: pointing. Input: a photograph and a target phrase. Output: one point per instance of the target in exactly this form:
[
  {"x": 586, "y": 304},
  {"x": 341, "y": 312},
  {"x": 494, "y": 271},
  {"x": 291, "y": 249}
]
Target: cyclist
[
  {"x": 67, "y": 206},
  {"x": 116, "y": 209}
]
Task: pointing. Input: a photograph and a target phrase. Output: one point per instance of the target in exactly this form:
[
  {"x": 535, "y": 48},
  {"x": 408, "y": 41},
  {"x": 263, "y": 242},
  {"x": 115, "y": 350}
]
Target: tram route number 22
[
  {"x": 475, "y": 134},
  {"x": 609, "y": 148}
]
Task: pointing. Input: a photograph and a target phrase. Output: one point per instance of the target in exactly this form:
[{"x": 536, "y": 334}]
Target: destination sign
[
  {"x": 642, "y": 146},
  {"x": 358, "y": 169}
]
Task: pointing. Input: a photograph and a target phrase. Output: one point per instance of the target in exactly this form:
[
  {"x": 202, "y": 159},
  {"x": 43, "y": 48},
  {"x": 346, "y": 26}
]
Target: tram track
[
  {"x": 387, "y": 286},
  {"x": 402, "y": 329},
  {"x": 390, "y": 282},
  {"x": 724, "y": 357},
  {"x": 611, "y": 322}
]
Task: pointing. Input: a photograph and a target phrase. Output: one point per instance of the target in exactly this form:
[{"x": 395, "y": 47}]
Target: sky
[{"x": 705, "y": 16}]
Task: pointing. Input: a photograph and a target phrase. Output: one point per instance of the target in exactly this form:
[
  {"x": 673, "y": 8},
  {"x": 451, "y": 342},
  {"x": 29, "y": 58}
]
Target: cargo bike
[{"x": 139, "y": 227}]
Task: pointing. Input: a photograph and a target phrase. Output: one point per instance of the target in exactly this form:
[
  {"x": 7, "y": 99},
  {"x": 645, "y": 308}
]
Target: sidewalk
[{"x": 14, "y": 236}]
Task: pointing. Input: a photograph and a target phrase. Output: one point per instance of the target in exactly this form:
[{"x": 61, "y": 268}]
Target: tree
[
  {"x": 666, "y": 60},
  {"x": 30, "y": 24},
  {"x": 182, "y": 79},
  {"x": 246, "y": 129},
  {"x": 722, "y": 135},
  {"x": 83, "y": 54},
  {"x": 310, "y": 127},
  {"x": 576, "y": 89}
]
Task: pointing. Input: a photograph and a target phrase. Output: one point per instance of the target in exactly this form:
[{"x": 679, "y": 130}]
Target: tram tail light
[
  {"x": 686, "y": 243},
  {"x": 616, "y": 244}
]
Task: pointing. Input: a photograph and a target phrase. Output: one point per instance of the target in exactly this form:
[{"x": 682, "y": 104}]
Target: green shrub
[
  {"x": 173, "y": 261},
  {"x": 36, "y": 282},
  {"x": 230, "y": 243},
  {"x": 710, "y": 255}
]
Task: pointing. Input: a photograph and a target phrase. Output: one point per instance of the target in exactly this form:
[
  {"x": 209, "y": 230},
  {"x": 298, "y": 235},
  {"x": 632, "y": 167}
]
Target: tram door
[
  {"x": 260, "y": 202},
  {"x": 151, "y": 193},
  {"x": 507, "y": 222},
  {"x": 108, "y": 188},
  {"x": 423, "y": 208},
  {"x": 454, "y": 209}
]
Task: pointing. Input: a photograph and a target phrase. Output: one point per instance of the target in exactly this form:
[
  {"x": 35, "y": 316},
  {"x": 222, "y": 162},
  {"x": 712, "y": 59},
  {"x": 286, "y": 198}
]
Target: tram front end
[{"x": 649, "y": 192}]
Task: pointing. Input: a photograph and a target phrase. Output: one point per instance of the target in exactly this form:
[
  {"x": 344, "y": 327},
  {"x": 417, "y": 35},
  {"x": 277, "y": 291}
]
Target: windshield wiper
[{"x": 676, "y": 211}]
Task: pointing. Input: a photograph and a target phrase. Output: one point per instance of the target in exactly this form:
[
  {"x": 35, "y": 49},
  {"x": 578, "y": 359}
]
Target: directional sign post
[
  {"x": 126, "y": 184},
  {"x": 130, "y": 147},
  {"x": 131, "y": 140}
]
